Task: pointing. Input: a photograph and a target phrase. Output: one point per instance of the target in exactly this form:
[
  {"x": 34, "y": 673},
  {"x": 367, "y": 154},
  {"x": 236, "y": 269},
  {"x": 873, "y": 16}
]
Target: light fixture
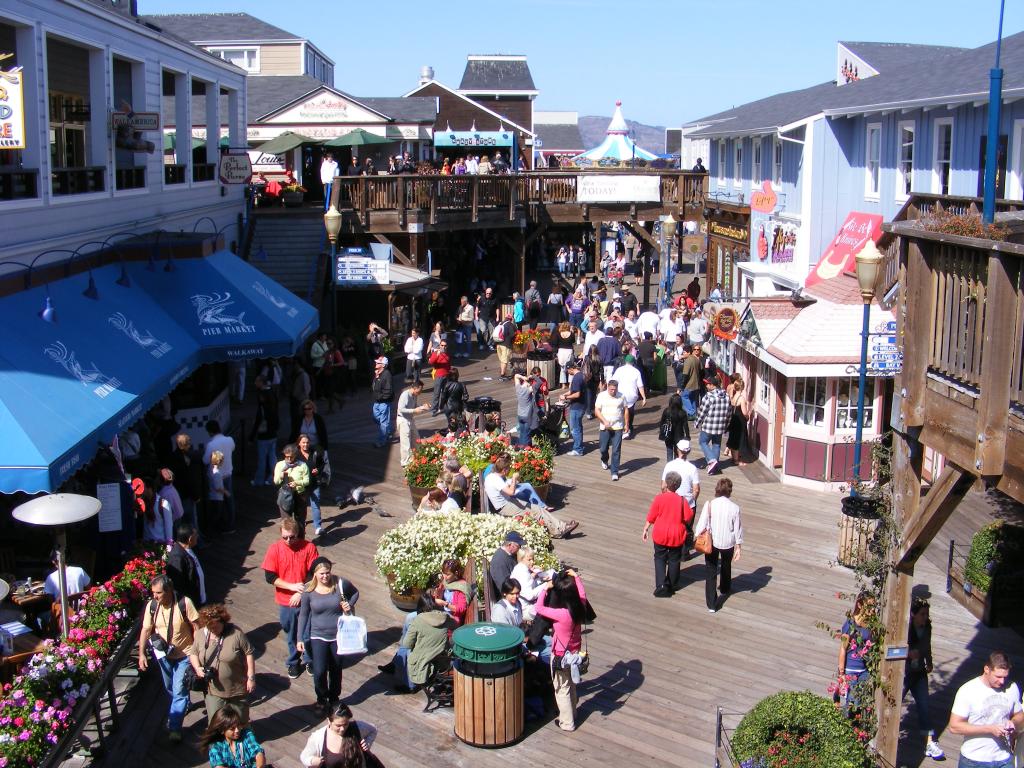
[
  {"x": 869, "y": 261},
  {"x": 48, "y": 313},
  {"x": 90, "y": 292},
  {"x": 123, "y": 280},
  {"x": 669, "y": 225},
  {"x": 332, "y": 223}
]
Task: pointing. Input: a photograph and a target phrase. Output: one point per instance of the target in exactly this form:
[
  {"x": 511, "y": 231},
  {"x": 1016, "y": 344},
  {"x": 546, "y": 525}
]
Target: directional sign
[
  {"x": 356, "y": 270},
  {"x": 888, "y": 326}
]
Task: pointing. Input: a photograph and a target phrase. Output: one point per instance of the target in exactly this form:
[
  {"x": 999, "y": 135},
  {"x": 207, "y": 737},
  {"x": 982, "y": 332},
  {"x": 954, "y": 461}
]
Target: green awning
[
  {"x": 286, "y": 142},
  {"x": 358, "y": 138}
]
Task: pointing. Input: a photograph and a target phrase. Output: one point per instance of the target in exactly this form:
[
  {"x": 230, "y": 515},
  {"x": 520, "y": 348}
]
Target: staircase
[{"x": 287, "y": 248}]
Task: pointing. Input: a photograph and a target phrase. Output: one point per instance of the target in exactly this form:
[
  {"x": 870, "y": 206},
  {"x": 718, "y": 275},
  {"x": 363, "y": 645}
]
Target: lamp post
[
  {"x": 332, "y": 223},
  {"x": 58, "y": 510},
  {"x": 869, "y": 262},
  {"x": 668, "y": 234},
  {"x": 995, "y": 99}
]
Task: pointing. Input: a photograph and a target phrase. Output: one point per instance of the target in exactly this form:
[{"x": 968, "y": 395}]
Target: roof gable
[
  {"x": 219, "y": 27},
  {"x": 324, "y": 105},
  {"x": 496, "y": 74},
  {"x": 434, "y": 87}
]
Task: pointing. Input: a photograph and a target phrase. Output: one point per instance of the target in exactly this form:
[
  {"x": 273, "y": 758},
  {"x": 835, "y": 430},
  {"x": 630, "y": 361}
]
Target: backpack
[
  {"x": 498, "y": 334},
  {"x": 665, "y": 430}
]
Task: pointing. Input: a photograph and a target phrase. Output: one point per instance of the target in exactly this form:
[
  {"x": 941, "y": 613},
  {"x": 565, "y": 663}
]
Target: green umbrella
[
  {"x": 358, "y": 138},
  {"x": 286, "y": 142}
]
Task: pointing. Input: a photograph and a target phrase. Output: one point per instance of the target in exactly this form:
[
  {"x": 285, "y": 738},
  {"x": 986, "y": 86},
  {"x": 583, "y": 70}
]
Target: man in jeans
[
  {"x": 486, "y": 316},
  {"x": 266, "y": 425},
  {"x": 610, "y": 410},
  {"x": 689, "y": 377},
  {"x": 577, "y": 405},
  {"x": 465, "y": 317},
  {"x": 171, "y": 623},
  {"x": 987, "y": 713},
  {"x": 383, "y": 393},
  {"x": 286, "y": 566},
  {"x": 712, "y": 421},
  {"x": 505, "y": 495}
]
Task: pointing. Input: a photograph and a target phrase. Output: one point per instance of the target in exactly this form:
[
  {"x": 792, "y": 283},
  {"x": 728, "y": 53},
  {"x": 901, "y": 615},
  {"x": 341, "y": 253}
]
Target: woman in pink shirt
[{"x": 561, "y": 602}]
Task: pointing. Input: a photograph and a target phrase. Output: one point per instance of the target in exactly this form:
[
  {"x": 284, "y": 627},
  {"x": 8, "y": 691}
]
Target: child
[
  {"x": 542, "y": 391},
  {"x": 218, "y": 493}
]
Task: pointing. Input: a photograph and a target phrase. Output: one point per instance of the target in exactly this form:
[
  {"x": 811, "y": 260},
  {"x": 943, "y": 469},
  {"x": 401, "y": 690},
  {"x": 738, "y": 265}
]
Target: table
[{"x": 26, "y": 645}]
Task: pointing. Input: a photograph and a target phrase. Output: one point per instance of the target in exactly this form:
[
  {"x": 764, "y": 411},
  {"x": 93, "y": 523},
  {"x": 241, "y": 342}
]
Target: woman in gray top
[
  {"x": 526, "y": 407},
  {"x": 326, "y": 598}
]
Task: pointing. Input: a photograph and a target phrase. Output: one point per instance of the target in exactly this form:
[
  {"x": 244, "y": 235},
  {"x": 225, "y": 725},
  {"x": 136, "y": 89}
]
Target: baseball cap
[
  {"x": 683, "y": 445},
  {"x": 514, "y": 537},
  {"x": 381, "y": 361}
]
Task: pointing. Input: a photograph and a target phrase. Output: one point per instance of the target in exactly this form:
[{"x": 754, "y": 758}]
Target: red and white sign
[{"x": 842, "y": 251}]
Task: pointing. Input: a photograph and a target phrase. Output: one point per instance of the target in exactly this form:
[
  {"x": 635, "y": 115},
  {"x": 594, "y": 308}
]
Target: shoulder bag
[
  {"x": 202, "y": 684},
  {"x": 704, "y": 543}
]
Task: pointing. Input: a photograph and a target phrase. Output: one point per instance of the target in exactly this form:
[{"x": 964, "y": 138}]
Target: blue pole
[
  {"x": 995, "y": 98},
  {"x": 861, "y": 384}
]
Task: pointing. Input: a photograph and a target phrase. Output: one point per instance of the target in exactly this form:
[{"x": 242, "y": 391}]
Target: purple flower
[{"x": 24, "y": 735}]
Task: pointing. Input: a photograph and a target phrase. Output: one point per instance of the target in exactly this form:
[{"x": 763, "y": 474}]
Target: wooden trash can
[{"x": 488, "y": 684}]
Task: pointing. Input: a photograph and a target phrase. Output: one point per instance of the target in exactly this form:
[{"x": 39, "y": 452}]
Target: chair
[{"x": 439, "y": 687}]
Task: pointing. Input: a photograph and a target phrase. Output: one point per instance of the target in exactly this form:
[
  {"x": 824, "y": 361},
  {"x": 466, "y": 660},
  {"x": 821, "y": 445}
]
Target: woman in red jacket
[{"x": 669, "y": 515}]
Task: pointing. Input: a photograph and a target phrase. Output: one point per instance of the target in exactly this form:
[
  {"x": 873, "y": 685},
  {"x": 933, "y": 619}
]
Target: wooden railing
[
  {"x": 431, "y": 194},
  {"x": 920, "y": 205}
]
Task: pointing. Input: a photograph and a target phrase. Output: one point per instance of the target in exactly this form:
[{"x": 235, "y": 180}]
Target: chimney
[{"x": 426, "y": 74}]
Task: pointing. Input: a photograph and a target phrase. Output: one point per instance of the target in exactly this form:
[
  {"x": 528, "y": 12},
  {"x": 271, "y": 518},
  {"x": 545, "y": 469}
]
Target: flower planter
[
  {"x": 292, "y": 199},
  {"x": 418, "y": 493},
  {"x": 978, "y": 603},
  {"x": 405, "y": 601},
  {"x": 857, "y": 530},
  {"x": 543, "y": 491}
]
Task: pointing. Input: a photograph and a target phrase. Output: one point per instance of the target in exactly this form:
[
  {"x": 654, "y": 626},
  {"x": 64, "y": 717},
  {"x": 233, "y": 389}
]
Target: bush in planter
[
  {"x": 411, "y": 554},
  {"x": 797, "y": 729},
  {"x": 476, "y": 451},
  {"x": 996, "y": 548}
]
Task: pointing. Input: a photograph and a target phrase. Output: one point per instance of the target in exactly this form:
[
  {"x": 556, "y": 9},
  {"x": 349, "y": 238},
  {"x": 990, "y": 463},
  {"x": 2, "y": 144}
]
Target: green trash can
[{"x": 488, "y": 684}]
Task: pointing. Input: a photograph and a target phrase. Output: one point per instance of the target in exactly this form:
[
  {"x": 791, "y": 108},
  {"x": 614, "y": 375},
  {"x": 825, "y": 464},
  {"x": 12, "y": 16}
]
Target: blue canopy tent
[{"x": 68, "y": 386}]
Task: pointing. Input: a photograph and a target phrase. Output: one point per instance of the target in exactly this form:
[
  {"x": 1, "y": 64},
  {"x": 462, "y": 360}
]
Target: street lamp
[
  {"x": 869, "y": 262},
  {"x": 58, "y": 510},
  {"x": 668, "y": 233},
  {"x": 332, "y": 223}
]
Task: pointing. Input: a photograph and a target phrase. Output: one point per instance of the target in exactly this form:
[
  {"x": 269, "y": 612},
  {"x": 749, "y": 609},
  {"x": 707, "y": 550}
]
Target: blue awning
[
  {"x": 231, "y": 309},
  {"x": 68, "y": 387}
]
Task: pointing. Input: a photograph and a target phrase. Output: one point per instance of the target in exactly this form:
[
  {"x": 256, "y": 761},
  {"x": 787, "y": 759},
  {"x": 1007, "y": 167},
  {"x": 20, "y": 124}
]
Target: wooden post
[
  {"x": 364, "y": 193},
  {"x": 513, "y": 196},
  {"x": 403, "y": 187},
  {"x": 521, "y": 239},
  {"x": 597, "y": 247},
  {"x": 906, "y": 493},
  {"x": 476, "y": 198},
  {"x": 1000, "y": 339},
  {"x": 916, "y": 316}
]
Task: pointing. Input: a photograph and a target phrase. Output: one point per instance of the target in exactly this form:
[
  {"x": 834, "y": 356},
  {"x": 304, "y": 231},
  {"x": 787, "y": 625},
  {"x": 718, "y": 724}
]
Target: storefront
[
  {"x": 800, "y": 361},
  {"x": 453, "y": 144},
  {"x": 728, "y": 230}
]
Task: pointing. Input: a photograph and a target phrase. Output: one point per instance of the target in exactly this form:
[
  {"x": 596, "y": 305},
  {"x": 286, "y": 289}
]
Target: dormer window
[{"x": 246, "y": 58}]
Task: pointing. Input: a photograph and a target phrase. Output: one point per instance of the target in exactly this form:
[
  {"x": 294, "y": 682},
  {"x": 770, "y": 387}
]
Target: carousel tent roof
[{"x": 617, "y": 144}]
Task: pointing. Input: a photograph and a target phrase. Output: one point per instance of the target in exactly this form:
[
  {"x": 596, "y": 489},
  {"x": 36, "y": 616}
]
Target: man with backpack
[
  {"x": 169, "y": 625},
  {"x": 503, "y": 337}
]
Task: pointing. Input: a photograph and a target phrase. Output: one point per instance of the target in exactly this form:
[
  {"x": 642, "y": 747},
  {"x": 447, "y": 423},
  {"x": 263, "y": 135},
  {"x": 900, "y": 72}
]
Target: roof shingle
[
  {"x": 497, "y": 73},
  {"x": 214, "y": 27}
]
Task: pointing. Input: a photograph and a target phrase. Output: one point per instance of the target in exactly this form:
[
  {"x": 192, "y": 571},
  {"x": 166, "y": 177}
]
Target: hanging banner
[
  {"x": 726, "y": 324},
  {"x": 12, "y": 109},
  {"x": 618, "y": 189},
  {"x": 840, "y": 255}
]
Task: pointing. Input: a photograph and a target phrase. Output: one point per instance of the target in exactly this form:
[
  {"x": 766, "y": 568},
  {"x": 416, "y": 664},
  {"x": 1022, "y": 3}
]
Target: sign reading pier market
[{"x": 618, "y": 189}]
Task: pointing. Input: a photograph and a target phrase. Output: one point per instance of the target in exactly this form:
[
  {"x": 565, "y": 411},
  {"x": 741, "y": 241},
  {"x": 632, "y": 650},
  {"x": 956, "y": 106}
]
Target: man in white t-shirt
[
  {"x": 413, "y": 355},
  {"x": 328, "y": 170},
  {"x": 689, "y": 488},
  {"x": 631, "y": 385},
  {"x": 987, "y": 712},
  {"x": 77, "y": 579},
  {"x": 501, "y": 489},
  {"x": 610, "y": 410},
  {"x": 594, "y": 335},
  {"x": 647, "y": 323}
]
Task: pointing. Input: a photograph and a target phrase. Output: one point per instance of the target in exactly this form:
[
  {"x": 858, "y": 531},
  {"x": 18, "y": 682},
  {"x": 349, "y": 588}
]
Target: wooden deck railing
[{"x": 430, "y": 194}]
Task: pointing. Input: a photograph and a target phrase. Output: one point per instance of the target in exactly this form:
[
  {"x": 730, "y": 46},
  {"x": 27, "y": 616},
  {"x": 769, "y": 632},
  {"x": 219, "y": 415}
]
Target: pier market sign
[
  {"x": 12, "y": 109},
  {"x": 618, "y": 189}
]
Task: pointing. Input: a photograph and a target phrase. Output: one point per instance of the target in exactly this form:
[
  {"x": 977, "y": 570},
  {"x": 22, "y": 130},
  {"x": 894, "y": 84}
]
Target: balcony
[
  {"x": 18, "y": 184},
  {"x": 204, "y": 172},
  {"x": 78, "y": 181},
  {"x": 130, "y": 178},
  {"x": 174, "y": 173}
]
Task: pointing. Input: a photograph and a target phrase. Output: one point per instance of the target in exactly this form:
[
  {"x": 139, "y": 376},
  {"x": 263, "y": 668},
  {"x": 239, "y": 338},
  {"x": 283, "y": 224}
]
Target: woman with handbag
[
  {"x": 561, "y": 601},
  {"x": 673, "y": 426},
  {"x": 224, "y": 663},
  {"x": 230, "y": 743},
  {"x": 291, "y": 476},
  {"x": 669, "y": 515},
  {"x": 326, "y": 598},
  {"x": 315, "y": 458},
  {"x": 343, "y": 742},
  {"x": 719, "y": 538}
]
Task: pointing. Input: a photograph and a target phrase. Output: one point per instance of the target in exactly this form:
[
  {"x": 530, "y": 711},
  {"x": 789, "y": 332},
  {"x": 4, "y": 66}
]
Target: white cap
[
  {"x": 381, "y": 360},
  {"x": 683, "y": 445}
]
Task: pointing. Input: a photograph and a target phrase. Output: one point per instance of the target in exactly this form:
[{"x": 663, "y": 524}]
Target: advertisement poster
[{"x": 841, "y": 253}]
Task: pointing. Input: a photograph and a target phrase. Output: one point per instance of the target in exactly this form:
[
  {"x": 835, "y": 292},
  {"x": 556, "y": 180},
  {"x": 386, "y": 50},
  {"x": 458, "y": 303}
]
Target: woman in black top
[
  {"x": 563, "y": 340},
  {"x": 453, "y": 401},
  {"x": 919, "y": 664},
  {"x": 673, "y": 426}
]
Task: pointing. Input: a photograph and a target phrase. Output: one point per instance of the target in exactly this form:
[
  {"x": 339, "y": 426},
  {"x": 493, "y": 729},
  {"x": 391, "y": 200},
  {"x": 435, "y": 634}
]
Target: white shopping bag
[{"x": 351, "y": 635}]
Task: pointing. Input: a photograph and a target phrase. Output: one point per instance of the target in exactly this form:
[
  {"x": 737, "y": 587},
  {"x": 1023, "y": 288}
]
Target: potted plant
[
  {"x": 988, "y": 585},
  {"x": 293, "y": 194},
  {"x": 410, "y": 556},
  {"x": 798, "y": 729}
]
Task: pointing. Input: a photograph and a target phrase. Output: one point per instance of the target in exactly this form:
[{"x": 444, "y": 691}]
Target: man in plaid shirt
[{"x": 712, "y": 421}]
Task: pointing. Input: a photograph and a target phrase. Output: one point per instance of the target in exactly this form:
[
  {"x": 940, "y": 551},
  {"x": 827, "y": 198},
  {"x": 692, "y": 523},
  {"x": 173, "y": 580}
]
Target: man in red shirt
[
  {"x": 286, "y": 566},
  {"x": 669, "y": 515},
  {"x": 441, "y": 360}
]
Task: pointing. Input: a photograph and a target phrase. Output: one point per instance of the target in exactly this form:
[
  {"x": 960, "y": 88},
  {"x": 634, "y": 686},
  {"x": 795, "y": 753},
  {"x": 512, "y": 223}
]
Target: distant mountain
[{"x": 650, "y": 137}]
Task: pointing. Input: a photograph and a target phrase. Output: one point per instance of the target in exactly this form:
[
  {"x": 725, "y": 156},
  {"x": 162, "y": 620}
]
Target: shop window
[
  {"x": 721, "y": 161},
  {"x": 755, "y": 170},
  {"x": 846, "y": 403},
  {"x": 67, "y": 130},
  {"x": 872, "y": 159},
  {"x": 942, "y": 156},
  {"x": 905, "y": 167},
  {"x": 246, "y": 58},
  {"x": 777, "y": 160},
  {"x": 737, "y": 165},
  {"x": 764, "y": 385},
  {"x": 809, "y": 397}
]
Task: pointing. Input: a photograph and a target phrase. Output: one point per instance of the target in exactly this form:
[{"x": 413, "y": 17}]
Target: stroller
[{"x": 551, "y": 424}]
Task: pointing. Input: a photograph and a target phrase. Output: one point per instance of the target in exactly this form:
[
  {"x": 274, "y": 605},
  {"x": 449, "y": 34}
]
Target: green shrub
[
  {"x": 797, "y": 729},
  {"x": 995, "y": 550}
]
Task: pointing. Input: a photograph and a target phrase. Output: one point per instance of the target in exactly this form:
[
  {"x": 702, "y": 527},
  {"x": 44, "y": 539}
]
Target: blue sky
[{"x": 669, "y": 61}]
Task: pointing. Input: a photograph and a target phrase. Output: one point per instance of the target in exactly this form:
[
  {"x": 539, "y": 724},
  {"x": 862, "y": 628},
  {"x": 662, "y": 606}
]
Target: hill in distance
[{"x": 650, "y": 137}]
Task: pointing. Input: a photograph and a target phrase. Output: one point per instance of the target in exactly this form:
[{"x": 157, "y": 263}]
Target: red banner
[{"x": 842, "y": 251}]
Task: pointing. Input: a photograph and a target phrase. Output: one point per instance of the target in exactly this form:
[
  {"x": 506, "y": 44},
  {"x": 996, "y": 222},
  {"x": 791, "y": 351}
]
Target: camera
[{"x": 159, "y": 645}]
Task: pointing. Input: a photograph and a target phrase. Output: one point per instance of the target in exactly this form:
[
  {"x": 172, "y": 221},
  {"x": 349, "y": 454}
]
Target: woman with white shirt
[
  {"x": 723, "y": 517},
  {"x": 530, "y": 579},
  {"x": 334, "y": 743}
]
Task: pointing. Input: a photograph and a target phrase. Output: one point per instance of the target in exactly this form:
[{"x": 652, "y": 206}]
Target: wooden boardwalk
[{"x": 660, "y": 667}]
